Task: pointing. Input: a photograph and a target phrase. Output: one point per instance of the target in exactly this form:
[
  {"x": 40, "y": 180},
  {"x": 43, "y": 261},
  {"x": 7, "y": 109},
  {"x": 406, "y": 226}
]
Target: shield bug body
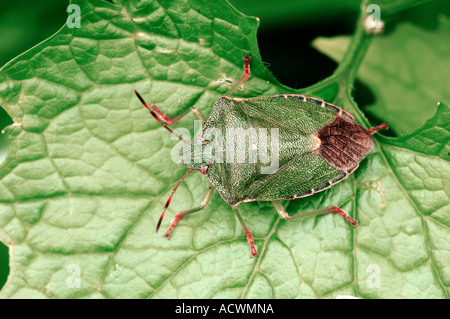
[{"x": 313, "y": 145}]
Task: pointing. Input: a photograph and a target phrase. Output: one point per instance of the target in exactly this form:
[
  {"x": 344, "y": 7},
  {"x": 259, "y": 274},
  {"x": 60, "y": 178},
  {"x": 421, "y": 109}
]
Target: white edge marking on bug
[
  {"x": 342, "y": 112},
  {"x": 323, "y": 104}
]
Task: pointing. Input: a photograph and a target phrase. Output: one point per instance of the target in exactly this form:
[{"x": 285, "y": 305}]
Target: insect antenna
[
  {"x": 159, "y": 120},
  {"x": 170, "y": 197}
]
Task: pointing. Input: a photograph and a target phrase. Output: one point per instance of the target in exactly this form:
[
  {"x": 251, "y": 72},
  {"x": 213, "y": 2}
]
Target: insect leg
[
  {"x": 165, "y": 121},
  {"x": 174, "y": 119},
  {"x": 246, "y": 230},
  {"x": 165, "y": 118},
  {"x": 205, "y": 201},
  {"x": 198, "y": 114},
  {"x": 377, "y": 128},
  {"x": 196, "y": 111},
  {"x": 152, "y": 112},
  {"x": 243, "y": 78},
  {"x": 330, "y": 210}
]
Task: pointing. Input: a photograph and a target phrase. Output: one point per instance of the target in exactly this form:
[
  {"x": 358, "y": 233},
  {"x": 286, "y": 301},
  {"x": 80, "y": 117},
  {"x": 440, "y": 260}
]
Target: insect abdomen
[{"x": 344, "y": 143}]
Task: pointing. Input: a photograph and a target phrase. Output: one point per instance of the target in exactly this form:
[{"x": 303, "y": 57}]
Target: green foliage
[
  {"x": 89, "y": 171},
  {"x": 406, "y": 66}
]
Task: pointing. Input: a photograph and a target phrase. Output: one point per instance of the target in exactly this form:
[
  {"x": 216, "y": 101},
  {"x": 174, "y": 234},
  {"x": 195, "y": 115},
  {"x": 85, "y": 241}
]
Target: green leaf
[
  {"x": 402, "y": 230},
  {"x": 89, "y": 171},
  {"x": 406, "y": 68},
  {"x": 391, "y": 7}
]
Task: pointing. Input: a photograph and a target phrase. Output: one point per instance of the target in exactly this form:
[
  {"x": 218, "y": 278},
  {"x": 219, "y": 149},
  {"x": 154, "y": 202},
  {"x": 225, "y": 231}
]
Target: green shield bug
[{"x": 313, "y": 145}]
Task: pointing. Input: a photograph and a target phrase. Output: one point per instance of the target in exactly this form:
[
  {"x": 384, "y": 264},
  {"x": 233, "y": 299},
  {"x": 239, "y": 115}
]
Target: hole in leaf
[
  {"x": 364, "y": 96},
  {"x": 287, "y": 49}
]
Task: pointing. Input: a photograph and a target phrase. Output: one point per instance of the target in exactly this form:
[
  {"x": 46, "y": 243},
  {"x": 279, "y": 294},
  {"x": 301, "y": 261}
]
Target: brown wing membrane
[{"x": 343, "y": 143}]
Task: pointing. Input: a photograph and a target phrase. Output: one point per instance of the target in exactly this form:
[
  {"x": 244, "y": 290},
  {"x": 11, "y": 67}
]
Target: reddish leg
[
  {"x": 164, "y": 120},
  {"x": 205, "y": 201},
  {"x": 171, "y": 196},
  {"x": 243, "y": 78},
  {"x": 336, "y": 209},
  {"x": 377, "y": 128},
  {"x": 330, "y": 210},
  {"x": 251, "y": 243},
  {"x": 246, "y": 231},
  {"x": 152, "y": 112}
]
